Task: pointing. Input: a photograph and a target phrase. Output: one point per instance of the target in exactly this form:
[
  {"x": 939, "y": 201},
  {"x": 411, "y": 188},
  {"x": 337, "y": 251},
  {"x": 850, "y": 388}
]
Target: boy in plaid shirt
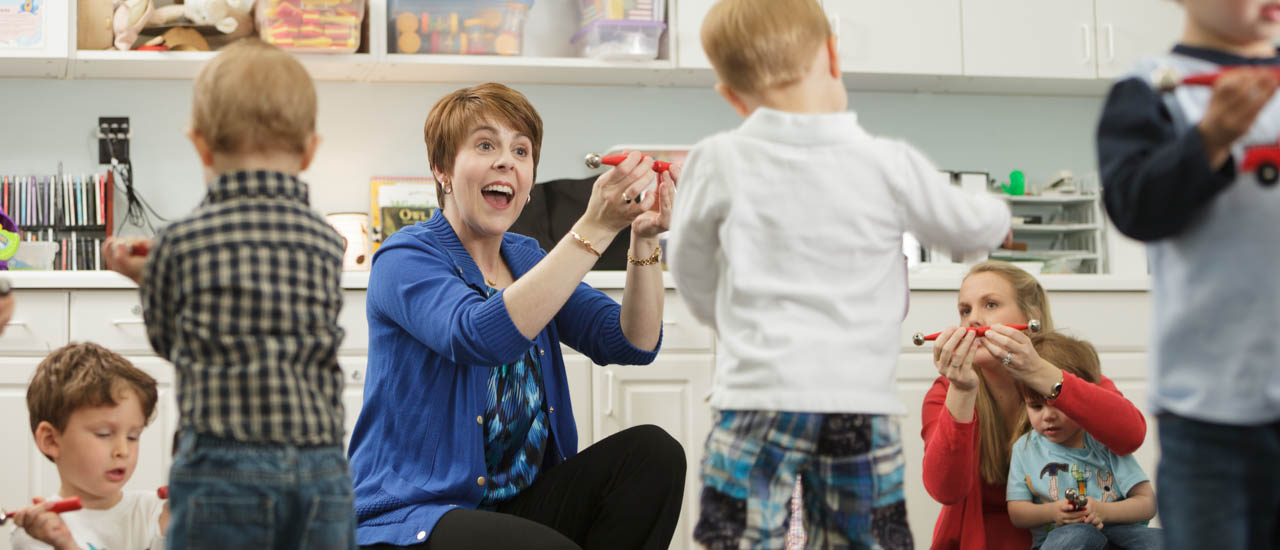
[{"x": 242, "y": 296}]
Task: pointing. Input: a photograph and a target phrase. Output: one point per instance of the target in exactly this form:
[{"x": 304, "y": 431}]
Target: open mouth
[
  {"x": 116, "y": 475},
  {"x": 498, "y": 195},
  {"x": 1271, "y": 13}
]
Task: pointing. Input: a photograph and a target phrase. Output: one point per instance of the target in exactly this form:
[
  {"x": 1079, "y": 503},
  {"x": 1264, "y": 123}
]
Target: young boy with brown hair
[
  {"x": 1053, "y": 454},
  {"x": 1191, "y": 172},
  {"x": 802, "y": 213},
  {"x": 87, "y": 407},
  {"x": 242, "y": 296}
]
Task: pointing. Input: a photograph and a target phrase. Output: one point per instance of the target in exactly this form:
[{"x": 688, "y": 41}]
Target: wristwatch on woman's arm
[{"x": 1056, "y": 389}]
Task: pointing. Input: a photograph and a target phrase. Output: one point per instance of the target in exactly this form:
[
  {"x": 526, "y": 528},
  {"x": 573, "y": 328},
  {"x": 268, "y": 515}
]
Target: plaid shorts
[{"x": 852, "y": 468}]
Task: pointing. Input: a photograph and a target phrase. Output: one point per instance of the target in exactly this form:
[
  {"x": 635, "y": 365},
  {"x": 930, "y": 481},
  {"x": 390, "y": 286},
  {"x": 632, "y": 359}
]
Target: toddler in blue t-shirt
[{"x": 1056, "y": 455}]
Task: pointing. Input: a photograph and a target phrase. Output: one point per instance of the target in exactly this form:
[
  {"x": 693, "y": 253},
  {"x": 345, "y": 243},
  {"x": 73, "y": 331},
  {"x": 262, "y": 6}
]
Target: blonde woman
[{"x": 972, "y": 409}]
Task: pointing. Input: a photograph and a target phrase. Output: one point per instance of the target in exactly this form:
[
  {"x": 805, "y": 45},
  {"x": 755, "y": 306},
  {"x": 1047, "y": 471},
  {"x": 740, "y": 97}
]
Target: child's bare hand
[
  {"x": 119, "y": 255},
  {"x": 1238, "y": 96},
  {"x": 1095, "y": 513},
  {"x": 1064, "y": 513},
  {"x": 44, "y": 525}
]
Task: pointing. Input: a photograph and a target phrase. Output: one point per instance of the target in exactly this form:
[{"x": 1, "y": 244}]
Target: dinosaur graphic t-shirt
[{"x": 1042, "y": 471}]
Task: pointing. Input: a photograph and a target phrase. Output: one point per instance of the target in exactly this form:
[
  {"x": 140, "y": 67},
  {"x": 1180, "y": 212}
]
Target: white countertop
[{"x": 598, "y": 279}]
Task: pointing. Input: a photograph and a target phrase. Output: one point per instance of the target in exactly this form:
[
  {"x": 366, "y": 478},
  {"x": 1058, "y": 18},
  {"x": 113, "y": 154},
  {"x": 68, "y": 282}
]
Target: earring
[
  {"x": 447, "y": 188},
  {"x": 528, "y": 198}
]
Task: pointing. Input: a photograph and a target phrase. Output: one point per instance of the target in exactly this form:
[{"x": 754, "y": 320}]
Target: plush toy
[
  {"x": 228, "y": 16},
  {"x": 128, "y": 19}
]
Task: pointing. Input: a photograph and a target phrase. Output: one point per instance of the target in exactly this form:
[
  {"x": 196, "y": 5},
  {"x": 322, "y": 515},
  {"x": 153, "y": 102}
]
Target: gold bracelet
[
  {"x": 652, "y": 259},
  {"x": 585, "y": 243}
]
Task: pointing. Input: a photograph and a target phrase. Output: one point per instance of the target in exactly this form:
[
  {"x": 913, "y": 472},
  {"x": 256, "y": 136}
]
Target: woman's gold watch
[{"x": 1056, "y": 389}]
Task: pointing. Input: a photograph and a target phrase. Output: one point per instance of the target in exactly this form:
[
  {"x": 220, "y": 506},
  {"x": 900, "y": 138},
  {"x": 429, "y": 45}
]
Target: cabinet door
[
  {"x": 155, "y": 446},
  {"x": 353, "y": 372},
  {"x": 1029, "y": 38},
  {"x": 1131, "y": 29},
  {"x": 670, "y": 393},
  {"x": 904, "y": 36},
  {"x": 688, "y": 33}
]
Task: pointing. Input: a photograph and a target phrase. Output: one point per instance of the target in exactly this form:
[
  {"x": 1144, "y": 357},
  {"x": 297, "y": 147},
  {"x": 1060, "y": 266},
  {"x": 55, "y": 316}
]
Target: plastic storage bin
[
  {"x": 620, "y": 39},
  {"x": 474, "y": 27},
  {"x": 629, "y": 10},
  {"x": 34, "y": 255},
  {"x": 315, "y": 26}
]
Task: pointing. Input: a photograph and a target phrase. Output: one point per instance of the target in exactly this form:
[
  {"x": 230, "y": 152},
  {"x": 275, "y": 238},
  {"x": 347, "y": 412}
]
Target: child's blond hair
[
  {"x": 762, "y": 44},
  {"x": 254, "y": 98},
  {"x": 78, "y": 376}
]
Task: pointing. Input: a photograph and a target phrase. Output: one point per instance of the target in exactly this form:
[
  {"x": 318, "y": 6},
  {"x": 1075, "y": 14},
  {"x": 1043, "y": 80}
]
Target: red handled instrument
[
  {"x": 65, "y": 505},
  {"x": 594, "y": 161},
  {"x": 163, "y": 492},
  {"x": 920, "y": 338},
  {"x": 139, "y": 249},
  {"x": 1166, "y": 80}
]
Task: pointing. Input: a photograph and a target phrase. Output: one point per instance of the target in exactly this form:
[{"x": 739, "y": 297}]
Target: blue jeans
[
  {"x": 231, "y": 494},
  {"x": 1219, "y": 485},
  {"x": 1084, "y": 536}
]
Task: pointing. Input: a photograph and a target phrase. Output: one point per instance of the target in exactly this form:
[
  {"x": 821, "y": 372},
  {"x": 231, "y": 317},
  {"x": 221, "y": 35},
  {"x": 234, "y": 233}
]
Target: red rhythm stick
[
  {"x": 1166, "y": 80},
  {"x": 65, "y": 505},
  {"x": 139, "y": 249},
  {"x": 163, "y": 492},
  {"x": 919, "y": 338},
  {"x": 594, "y": 161}
]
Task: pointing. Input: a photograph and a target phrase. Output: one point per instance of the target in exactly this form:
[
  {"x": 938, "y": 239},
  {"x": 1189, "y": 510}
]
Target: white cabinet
[
  {"x": 38, "y": 325},
  {"x": 688, "y": 33},
  {"x": 1029, "y": 38},
  {"x": 1129, "y": 30},
  {"x": 670, "y": 393},
  {"x": 354, "y": 369},
  {"x": 904, "y": 36}
]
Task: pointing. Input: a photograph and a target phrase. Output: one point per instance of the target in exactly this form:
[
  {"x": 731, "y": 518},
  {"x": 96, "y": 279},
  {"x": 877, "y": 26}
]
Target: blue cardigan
[{"x": 417, "y": 450}]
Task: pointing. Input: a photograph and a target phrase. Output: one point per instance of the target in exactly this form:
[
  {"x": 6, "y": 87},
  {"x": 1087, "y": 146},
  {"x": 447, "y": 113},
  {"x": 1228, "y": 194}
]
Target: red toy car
[{"x": 1264, "y": 161}]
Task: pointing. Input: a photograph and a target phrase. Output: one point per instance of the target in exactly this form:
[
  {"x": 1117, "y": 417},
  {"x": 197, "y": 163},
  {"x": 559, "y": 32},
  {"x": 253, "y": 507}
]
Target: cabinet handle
[
  {"x": 608, "y": 388},
  {"x": 16, "y": 324},
  {"x": 118, "y": 322},
  {"x": 1111, "y": 42},
  {"x": 1084, "y": 35}
]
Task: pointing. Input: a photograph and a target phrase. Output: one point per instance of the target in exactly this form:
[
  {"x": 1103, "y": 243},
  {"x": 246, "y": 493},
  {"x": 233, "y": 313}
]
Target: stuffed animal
[
  {"x": 228, "y": 16},
  {"x": 128, "y": 19}
]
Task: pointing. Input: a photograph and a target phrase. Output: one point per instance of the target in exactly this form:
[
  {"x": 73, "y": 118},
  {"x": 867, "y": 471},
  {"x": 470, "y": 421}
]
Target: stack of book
[{"x": 73, "y": 211}]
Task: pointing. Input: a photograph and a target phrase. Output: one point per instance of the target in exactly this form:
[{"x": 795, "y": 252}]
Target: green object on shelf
[
  {"x": 8, "y": 244},
  {"x": 1017, "y": 183}
]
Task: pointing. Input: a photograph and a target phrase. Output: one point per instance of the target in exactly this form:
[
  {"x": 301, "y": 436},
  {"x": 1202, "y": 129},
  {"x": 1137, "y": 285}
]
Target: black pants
[{"x": 623, "y": 492}]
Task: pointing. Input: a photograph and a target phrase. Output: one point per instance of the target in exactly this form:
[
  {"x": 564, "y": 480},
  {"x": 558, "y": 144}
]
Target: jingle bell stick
[
  {"x": 65, "y": 505},
  {"x": 594, "y": 161},
  {"x": 1167, "y": 80},
  {"x": 920, "y": 338}
]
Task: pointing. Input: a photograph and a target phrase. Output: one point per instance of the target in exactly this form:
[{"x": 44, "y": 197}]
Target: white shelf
[
  {"x": 23, "y": 65},
  {"x": 540, "y": 70},
  {"x": 185, "y": 65},
  {"x": 1051, "y": 199},
  {"x": 1054, "y": 227},
  {"x": 1044, "y": 255}
]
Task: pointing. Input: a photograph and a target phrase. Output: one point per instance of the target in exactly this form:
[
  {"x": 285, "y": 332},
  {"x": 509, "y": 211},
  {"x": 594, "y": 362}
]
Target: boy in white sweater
[{"x": 786, "y": 238}]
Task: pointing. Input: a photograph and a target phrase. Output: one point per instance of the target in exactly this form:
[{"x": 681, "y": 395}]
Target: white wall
[{"x": 376, "y": 129}]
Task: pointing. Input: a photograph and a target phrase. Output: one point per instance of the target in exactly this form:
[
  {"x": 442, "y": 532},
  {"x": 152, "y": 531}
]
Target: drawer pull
[
  {"x": 608, "y": 388},
  {"x": 16, "y": 324},
  {"x": 118, "y": 322}
]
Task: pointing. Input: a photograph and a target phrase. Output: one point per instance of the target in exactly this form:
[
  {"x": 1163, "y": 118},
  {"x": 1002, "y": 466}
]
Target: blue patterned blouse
[{"x": 515, "y": 428}]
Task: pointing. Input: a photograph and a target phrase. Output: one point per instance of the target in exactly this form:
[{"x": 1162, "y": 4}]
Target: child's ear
[
  {"x": 47, "y": 440},
  {"x": 203, "y": 149},
  {"x": 733, "y": 98},
  {"x": 833, "y": 55},
  {"x": 309, "y": 154}
]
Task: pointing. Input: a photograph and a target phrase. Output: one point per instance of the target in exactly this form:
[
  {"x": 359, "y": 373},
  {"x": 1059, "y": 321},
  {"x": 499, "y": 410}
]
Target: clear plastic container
[
  {"x": 620, "y": 39},
  {"x": 34, "y": 255},
  {"x": 311, "y": 26},
  {"x": 470, "y": 27}
]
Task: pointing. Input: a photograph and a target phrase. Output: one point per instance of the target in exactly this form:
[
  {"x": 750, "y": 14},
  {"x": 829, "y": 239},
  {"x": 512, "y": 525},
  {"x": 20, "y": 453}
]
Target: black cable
[{"x": 138, "y": 211}]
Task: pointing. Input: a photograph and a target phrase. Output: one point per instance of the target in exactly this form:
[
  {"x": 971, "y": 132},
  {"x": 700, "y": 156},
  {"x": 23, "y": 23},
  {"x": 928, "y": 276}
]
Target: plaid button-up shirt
[{"x": 242, "y": 296}]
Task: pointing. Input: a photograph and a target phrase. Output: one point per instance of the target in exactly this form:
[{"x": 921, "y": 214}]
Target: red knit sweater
[{"x": 974, "y": 515}]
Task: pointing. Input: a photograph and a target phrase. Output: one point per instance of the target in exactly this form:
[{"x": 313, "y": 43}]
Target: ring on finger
[
  {"x": 1008, "y": 359},
  {"x": 625, "y": 198}
]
